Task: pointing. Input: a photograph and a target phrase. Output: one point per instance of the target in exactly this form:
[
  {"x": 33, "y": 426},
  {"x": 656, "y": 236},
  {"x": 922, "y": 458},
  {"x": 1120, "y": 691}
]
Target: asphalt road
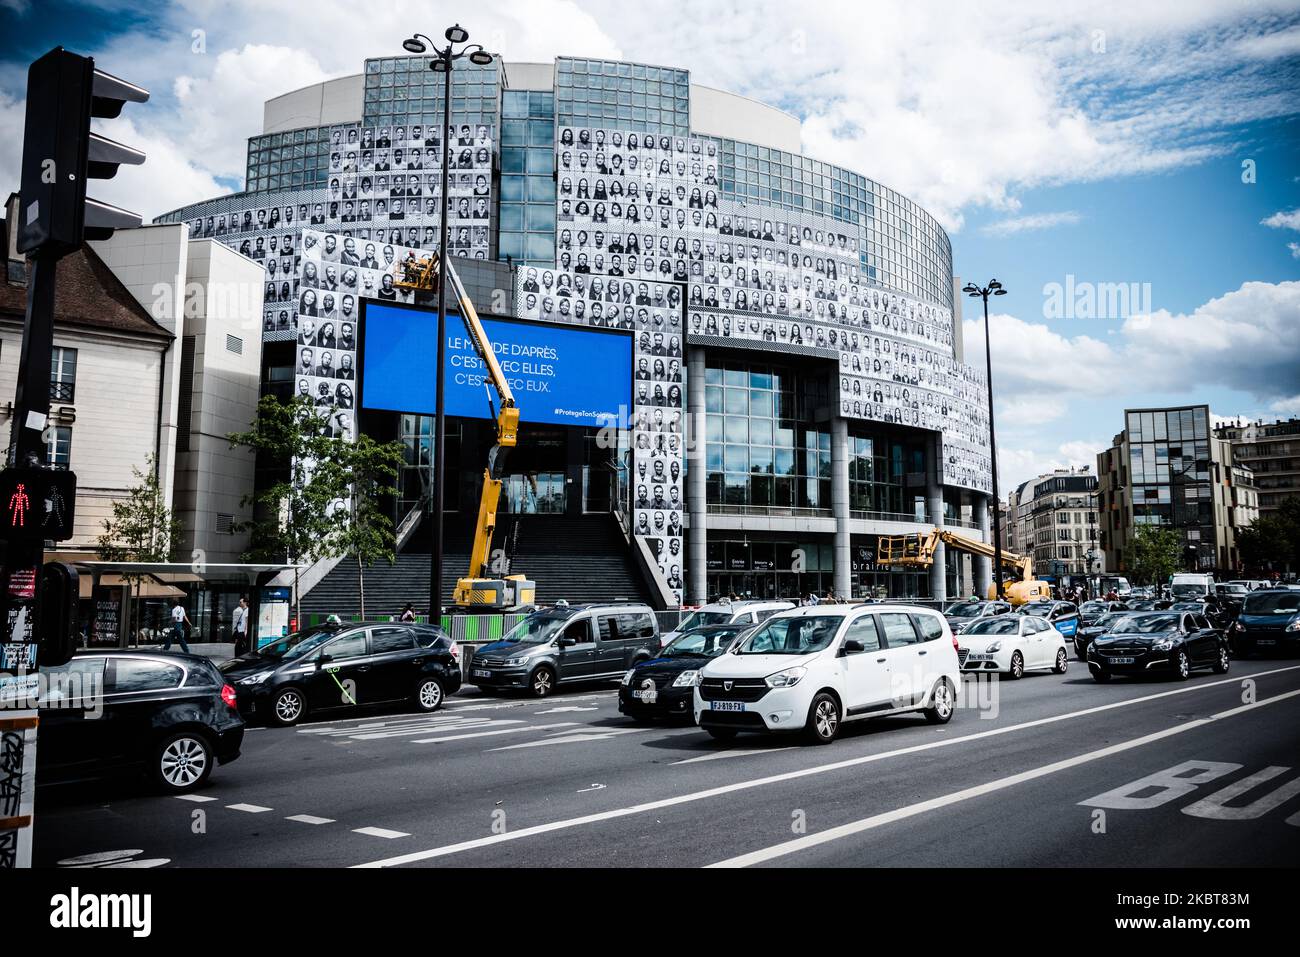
[{"x": 1052, "y": 776}]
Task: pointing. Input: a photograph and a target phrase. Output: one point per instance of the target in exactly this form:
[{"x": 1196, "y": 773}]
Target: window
[
  {"x": 865, "y": 631},
  {"x": 63, "y": 374},
  {"x": 427, "y": 636},
  {"x": 383, "y": 640},
  {"x": 58, "y": 454},
  {"x": 348, "y": 646},
  {"x": 133, "y": 675},
  {"x": 929, "y": 627},
  {"x": 898, "y": 630},
  {"x": 580, "y": 631},
  {"x": 81, "y": 679}
]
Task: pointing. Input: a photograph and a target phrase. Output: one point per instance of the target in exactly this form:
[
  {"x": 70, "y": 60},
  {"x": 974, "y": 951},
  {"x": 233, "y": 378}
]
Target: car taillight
[
  {"x": 228, "y": 695},
  {"x": 455, "y": 651}
]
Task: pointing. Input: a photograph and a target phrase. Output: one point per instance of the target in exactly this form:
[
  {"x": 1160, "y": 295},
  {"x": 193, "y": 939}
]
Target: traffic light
[
  {"x": 39, "y": 504},
  {"x": 64, "y": 91},
  {"x": 56, "y": 614}
]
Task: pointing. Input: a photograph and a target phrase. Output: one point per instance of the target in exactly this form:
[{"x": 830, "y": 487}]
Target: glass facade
[
  {"x": 405, "y": 90},
  {"x": 652, "y": 99},
  {"x": 762, "y": 449},
  {"x": 527, "y": 235},
  {"x": 1171, "y": 471}
]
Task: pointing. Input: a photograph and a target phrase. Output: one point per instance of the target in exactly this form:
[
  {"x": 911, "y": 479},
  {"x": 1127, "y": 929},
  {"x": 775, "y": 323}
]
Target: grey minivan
[{"x": 567, "y": 644}]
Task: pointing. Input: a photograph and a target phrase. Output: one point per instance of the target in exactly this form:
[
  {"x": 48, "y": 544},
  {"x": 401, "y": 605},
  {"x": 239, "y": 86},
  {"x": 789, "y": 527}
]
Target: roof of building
[{"x": 87, "y": 294}]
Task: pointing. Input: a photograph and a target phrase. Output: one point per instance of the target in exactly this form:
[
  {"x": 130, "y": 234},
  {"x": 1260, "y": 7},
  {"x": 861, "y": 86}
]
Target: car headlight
[
  {"x": 786, "y": 679},
  {"x": 993, "y": 648},
  {"x": 1238, "y": 626},
  {"x": 627, "y": 678},
  {"x": 512, "y": 662},
  {"x": 257, "y": 679},
  {"x": 1294, "y": 626},
  {"x": 1164, "y": 644},
  {"x": 687, "y": 679}
]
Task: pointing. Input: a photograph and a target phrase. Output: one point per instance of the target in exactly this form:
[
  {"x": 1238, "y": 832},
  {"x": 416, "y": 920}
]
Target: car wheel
[
  {"x": 1101, "y": 677},
  {"x": 823, "y": 719},
  {"x": 1017, "y": 666},
  {"x": 542, "y": 683},
  {"x": 1221, "y": 664},
  {"x": 942, "y": 703},
  {"x": 1062, "y": 662},
  {"x": 429, "y": 694},
  {"x": 182, "y": 762},
  {"x": 722, "y": 734},
  {"x": 1182, "y": 666},
  {"x": 288, "y": 707}
]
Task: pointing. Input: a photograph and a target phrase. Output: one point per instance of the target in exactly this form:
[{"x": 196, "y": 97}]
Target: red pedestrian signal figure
[{"x": 18, "y": 506}]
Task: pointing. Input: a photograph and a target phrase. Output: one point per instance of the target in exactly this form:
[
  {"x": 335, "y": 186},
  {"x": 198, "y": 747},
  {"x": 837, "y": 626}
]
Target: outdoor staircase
[{"x": 579, "y": 558}]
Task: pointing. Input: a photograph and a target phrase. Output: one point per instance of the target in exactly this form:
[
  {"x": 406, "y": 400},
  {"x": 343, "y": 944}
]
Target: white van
[
  {"x": 1190, "y": 587},
  {"x": 811, "y": 669}
]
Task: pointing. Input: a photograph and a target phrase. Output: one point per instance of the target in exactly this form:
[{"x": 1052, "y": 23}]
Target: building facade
[
  {"x": 1167, "y": 469},
  {"x": 1054, "y": 518},
  {"x": 1272, "y": 451},
  {"x": 798, "y": 383}
]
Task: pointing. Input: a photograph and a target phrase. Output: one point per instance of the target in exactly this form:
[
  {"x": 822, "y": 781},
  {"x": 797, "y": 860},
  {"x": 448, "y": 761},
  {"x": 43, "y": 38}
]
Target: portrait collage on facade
[
  {"x": 652, "y": 312},
  {"x": 385, "y": 185}
]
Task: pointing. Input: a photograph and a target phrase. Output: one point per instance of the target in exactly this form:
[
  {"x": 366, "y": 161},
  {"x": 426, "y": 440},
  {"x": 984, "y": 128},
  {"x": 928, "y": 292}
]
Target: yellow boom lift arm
[
  {"x": 480, "y": 590},
  {"x": 917, "y": 551}
]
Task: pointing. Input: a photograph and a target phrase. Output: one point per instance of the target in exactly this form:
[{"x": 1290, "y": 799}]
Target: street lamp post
[
  {"x": 442, "y": 62},
  {"x": 993, "y": 288}
]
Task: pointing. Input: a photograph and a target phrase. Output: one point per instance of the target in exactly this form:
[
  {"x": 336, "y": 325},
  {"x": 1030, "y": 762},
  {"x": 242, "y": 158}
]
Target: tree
[
  {"x": 325, "y": 502},
  {"x": 369, "y": 534},
  {"x": 1154, "y": 554},
  {"x": 142, "y": 528},
  {"x": 1273, "y": 543}
]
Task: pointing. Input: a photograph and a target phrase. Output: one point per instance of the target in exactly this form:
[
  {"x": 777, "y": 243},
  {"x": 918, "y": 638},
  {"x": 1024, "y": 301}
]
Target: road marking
[
  {"x": 594, "y": 787},
  {"x": 450, "y": 709},
  {"x": 309, "y": 819},
  {"x": 563, "y": 710},
  {"x": 898, "y": 814},
  {"x": 249, "y": 808},
  {"x": 196, "y": 798},
  {"x": 488, "y": 734},
  {"x": 602, "y": 735},
  {"x": 615, "y": 813},
  {"x": 379, "y": 832},
  {"x": 735, "y": 753}
]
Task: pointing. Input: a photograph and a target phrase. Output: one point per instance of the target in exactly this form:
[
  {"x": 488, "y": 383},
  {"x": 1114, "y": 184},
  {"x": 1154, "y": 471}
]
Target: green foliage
[
  {"x": 142, "y": 528},
  {"x": 1273, "y": 543},
  {"x": 1154, "y": 554}
]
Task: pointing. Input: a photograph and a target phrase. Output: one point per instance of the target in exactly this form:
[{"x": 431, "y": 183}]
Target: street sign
[{"x": 38, "y": 504}]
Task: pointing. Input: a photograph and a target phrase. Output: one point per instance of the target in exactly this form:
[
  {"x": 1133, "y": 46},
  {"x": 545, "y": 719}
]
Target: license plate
[
  {"x": 482, "y": 673},
  {"x": 646, "y": 696},
  {"x": 727, "y": 705},
  {"x": 978, "y": 657},
  {"x": 1121, "y": 661},
  {"x": 1265, "y": 641}
]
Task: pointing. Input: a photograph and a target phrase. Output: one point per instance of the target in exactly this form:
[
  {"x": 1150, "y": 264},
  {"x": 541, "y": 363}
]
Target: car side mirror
[
  {"x": 324, "y": 660},
  {"x": 564, "y": 641},
  {"x": 852, "y": 646}
]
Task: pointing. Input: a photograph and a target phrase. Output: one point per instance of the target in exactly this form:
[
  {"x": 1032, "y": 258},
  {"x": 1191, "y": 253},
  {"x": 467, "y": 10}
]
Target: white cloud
[
  {"x": 1031, "y": 223},
  {"x": 1018, "y": 464},
  {"x": 1295, "y": 250},
  {"x": 1283, "y": 219}
]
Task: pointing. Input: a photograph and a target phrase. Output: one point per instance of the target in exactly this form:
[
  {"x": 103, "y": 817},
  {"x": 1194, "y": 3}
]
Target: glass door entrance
[{"x": 533, "y": 494}]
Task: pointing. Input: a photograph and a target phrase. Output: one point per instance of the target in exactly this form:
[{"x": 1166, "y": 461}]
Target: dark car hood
[
  {"x": 1135, "y": 638},
  {"x": 1267, "y": 621},
  {"x": 510, "y": 649},
  {"x": 248, "y": 664},
  {"x": 660, "y": 667}
]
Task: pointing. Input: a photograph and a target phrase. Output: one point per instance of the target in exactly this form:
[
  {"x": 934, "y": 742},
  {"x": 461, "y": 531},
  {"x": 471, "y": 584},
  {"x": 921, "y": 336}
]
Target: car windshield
[
  {"x": 1186, "y": 590},
  {"x": 701, "y": 618},
  {"x": 801, "y": 635},
  {"x": 1273, "y": 603},
  {"x": 1234, "y": 590},
  {"x": 1107, "y": 620},
  {"x": 1036, "y": 608},
  {"x": 297, "y": 644},
  {"x": 1001, "y": 625},
  {"x": 537, "y": 629},
  {"x": 1092, "y": 607},
  {"x": 706, "y": 643},
  {"x": 1145, "y": 624},
  {"x": 964, "y": 609}
]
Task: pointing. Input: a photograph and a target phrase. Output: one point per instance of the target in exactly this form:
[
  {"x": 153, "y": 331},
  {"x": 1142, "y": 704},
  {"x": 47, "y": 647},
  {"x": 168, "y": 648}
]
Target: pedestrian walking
[
  {"x": 239, "y": 627},
  {"x": 180, "y": 622},
  {"x": 408, "y": 613}
]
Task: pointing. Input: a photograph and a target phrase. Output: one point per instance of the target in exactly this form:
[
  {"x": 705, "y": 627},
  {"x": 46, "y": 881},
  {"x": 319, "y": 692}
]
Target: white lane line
[
  {"x": 379, "y": 832},
  {"x": 196, "y": 798},
  {"x": 902, "y": 813},
  {"x": 248, "y": 808},
  {"x": 614, "y": 813},
  {"x": 433, "y": 729},
  {"x": 309, "y": 819},
  {"x": 488, "y": 734},
  {"x": 577, "y": 738},
  {"x": 736, "y": 753}
]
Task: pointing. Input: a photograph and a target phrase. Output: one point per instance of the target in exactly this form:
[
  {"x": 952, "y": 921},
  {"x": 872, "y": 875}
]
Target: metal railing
[
  {"x": 867, "y": 516},
  {"x": 784, "y": 511}
]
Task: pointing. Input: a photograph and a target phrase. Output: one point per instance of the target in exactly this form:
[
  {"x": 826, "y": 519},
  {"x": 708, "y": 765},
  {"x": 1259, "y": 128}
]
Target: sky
[{"x": 1128, "y": 169}]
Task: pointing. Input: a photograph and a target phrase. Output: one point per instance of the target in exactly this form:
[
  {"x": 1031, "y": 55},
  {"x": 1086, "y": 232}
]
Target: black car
[
  {"x": 104, "y": 713},
  {"x": 1090, "y": 611},
  {"x": 1158, "y": 641},
  {"x": 362, "y": 664},
  {"x": 665, "y": 686},
  {"x": 961, "y": 613},
  {"x": 1269, "y": 622},
  {"x": 1062, "y": 615},
  {"x": 1088, "y": 631}
]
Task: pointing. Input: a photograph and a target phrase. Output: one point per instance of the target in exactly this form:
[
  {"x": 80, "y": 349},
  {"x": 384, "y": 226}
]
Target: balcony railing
[
  {"x": 63, "y": 391},
  {"x": 782, "y": 511}
]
